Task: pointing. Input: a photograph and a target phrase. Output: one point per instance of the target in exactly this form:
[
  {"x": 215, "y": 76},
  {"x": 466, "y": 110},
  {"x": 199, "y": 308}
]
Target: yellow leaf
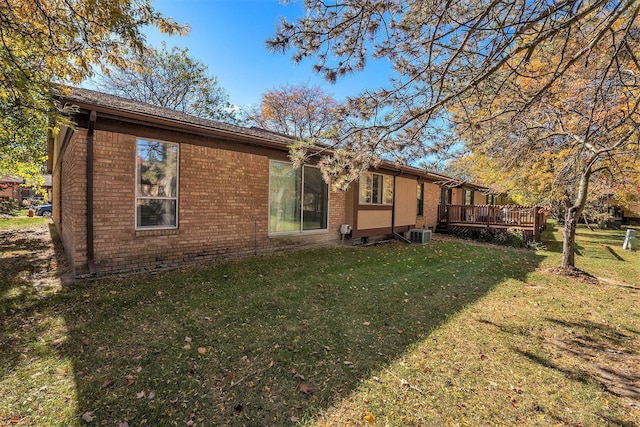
[{"x": 370, "y": 418}]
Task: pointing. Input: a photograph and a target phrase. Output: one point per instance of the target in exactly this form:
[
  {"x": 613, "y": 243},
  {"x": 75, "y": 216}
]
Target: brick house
[
  {"x": 143, "y": 187},
  {"x": 10, "y": 187}
]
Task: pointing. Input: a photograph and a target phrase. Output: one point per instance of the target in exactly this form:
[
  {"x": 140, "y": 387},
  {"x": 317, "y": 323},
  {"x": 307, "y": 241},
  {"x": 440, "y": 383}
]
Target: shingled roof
[
  {"x": 91, "y": 99},
  {"x": 86, "y": 98}
]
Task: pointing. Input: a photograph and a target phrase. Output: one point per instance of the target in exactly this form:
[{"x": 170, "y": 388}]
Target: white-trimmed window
[
  {"x": 376, "y": 189},
  {"x": 298, "y": 198},
  {"x": 156, "y": 184}
]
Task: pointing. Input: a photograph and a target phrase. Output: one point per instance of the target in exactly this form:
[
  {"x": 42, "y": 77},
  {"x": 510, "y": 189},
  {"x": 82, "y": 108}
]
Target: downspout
[{"x": 90, "y": 252}]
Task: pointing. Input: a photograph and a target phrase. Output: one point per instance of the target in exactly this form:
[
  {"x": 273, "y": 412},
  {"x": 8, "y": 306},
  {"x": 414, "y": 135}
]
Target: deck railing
[{"x": 524, "y": 217}]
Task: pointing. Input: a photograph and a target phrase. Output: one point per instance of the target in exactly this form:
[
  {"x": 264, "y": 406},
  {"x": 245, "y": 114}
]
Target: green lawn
[
  {"x": 444, "y": 334},
  {"x": 19, "y": 222}
]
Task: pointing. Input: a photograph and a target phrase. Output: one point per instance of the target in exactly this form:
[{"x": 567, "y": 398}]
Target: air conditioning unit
[{"x": 420, "y": 236}]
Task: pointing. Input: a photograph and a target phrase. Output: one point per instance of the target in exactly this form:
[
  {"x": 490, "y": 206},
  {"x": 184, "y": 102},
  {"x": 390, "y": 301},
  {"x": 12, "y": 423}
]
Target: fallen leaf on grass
[
  {"x": 348, "y": 363},
  {"x": 202, "y": 350},
  {"x": 140, "y": 395},
  {"x": 187, "y": 339},
  {"x": 370, "y": 418},
  {"x": 130, "y": 380},
  {"x": 293, "y": 419},
  {"x": 88, "y": 416},
  {"x": 306, "y": 388},
  {"x": 106, "y": 383},
  {"x": 85, "y": 341},
  {"x": 151, "y": 396}
]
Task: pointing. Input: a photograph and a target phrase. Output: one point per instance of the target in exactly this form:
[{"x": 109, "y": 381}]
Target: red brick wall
[
  {"x": 222, "y": 211},
  {"x": 10, "y": 189},
  {"x": 69, "y": 201},
  {"x": 431, "y": 200}
]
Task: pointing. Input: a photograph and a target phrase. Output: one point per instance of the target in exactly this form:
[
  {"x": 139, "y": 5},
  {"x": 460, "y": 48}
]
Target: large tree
[
  {"x": 47, "y": 43},
  {"x": 302, "y": 111},
  {"x": 584, "y": 125},
  {"x": 451, "y": 54},
  {"x": 171, "y": 79}
]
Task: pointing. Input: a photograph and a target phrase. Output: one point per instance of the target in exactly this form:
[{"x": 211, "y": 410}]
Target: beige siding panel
[
  {"x": 479, "y": 198},
  {"x": 374, "y": 219},
  {"x": 457, "y": 196},
  {"x": 405, "y": 203}
]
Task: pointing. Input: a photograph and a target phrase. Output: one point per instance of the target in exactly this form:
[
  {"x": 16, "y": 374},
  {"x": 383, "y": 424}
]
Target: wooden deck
[{"x": 530, "y": 219}]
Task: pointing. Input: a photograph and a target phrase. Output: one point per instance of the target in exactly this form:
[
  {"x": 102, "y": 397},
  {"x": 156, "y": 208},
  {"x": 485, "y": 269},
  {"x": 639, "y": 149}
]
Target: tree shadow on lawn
[
  {"x": 27, "y": 263},
  {"x": 265, "y": 341},
  {"x": 585, "y": 352},
  {"x": 588, "y": 351},
  {"x": 583, "y": 234}
]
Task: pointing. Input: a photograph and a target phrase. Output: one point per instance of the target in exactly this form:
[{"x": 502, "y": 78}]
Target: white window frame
[
  {"x": 383, "y": 203},
  {"x": 420, "y": 208},
  {"x": 302, "y": 230},
  {"x": 138, "y": 227}
]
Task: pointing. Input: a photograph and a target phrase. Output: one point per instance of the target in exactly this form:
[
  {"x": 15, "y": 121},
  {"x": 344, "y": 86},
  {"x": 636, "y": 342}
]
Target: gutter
[{"x": 89, "y": 194}]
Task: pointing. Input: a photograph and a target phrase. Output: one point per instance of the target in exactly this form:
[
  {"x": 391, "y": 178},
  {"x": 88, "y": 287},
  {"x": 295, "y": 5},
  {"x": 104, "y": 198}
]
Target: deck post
[
  {"x": 488, "y": 214},
  {"x": 536, "y": 224}
]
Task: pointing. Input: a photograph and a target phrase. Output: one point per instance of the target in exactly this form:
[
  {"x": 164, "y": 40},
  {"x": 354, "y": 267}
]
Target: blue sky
[{"x": 229, "y": 37}]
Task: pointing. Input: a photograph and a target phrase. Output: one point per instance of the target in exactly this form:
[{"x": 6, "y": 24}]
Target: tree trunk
[
  {"x": 586, "y": 221},
  {"x": 571, "y": 217},
  {"x": 569, "y": 238}
]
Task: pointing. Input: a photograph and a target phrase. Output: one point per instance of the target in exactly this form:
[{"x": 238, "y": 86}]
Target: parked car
[{"x": 43, "y": 210}]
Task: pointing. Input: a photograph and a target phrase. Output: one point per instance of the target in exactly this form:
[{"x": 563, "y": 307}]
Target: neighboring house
[
  {"x": 142, "y": 187},
  {"x": 13, "y": 188},
  {"x": 622, "y": 215},
  {"x": 631, "y": 214},
  {"x": 10, "y": 187}
]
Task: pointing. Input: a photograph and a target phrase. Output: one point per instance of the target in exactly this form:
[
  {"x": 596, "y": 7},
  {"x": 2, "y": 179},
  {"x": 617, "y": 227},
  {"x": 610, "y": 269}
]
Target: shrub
[
  {"x": 513, "y": 238},
  {"x": 9, "y": 206}
]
